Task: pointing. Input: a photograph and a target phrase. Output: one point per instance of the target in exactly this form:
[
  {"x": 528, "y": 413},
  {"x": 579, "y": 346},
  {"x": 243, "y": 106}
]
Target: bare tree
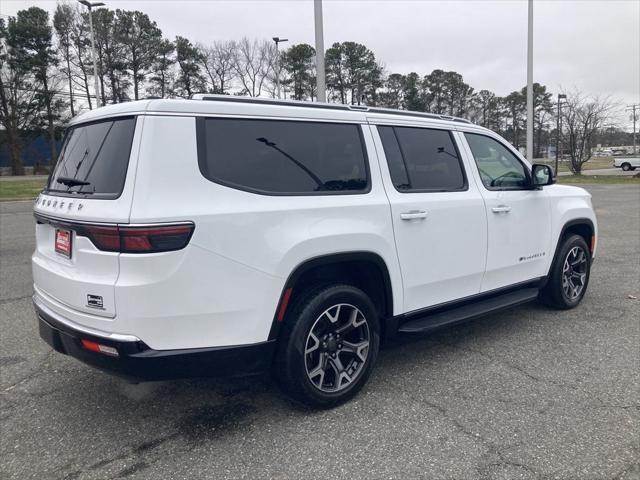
[
  {"x": 218, "y": 61},
  {"x": 582, "y": 117},
  {"x": 253, "y": 62},
  {"x": 63, "y": 19},
  {"x": 80, "y": 58}
]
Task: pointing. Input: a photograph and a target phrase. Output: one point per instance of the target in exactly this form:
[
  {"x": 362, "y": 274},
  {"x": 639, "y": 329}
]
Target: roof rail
[
  {"x": 411, "y": 113},
  {"x": 330, "y": 106},
  {"x": 267, "y": 101}
]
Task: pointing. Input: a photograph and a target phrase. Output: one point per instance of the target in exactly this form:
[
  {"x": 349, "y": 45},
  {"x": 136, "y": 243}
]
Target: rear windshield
[{"x": 94, "y": 159}]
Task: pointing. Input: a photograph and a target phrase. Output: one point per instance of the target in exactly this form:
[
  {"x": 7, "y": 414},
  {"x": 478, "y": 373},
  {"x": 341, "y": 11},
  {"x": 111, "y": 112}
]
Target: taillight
[{"x": 147, "y": 239}]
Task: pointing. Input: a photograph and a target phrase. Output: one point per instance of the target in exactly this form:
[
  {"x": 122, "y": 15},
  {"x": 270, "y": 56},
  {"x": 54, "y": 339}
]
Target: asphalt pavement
[{"x": 528, "y": 393}]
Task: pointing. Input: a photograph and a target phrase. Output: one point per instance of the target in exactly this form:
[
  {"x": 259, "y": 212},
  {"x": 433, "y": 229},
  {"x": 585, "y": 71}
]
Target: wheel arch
[
  {"x": 363, "y": 269},
  {"x": 583, "y": 227}
]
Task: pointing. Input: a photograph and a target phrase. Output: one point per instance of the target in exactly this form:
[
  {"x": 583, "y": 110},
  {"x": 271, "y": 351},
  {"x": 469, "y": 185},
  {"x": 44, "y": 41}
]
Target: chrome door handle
[
  {"x": 413, "y": 215},
  {"x": 501, "y": 209}
]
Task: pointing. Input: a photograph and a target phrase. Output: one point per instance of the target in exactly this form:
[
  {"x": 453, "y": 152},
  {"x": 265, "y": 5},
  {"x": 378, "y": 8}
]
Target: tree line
[{"x": 46, "y": 77}]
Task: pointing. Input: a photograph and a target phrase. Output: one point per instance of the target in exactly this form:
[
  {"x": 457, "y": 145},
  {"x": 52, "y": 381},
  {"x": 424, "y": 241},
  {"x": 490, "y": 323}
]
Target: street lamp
[
  {"x": 91, "y": 5},
  {"x": 561, "y": 96},
  {"x": 278, "y": 40},
  {"x": 320, "y": 77},
  {"x": 530, "y": 83}
]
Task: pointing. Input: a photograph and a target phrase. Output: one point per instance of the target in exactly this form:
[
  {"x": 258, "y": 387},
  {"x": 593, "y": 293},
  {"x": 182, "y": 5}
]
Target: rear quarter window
[
  {"x": 281, "y": 157},
  {"x": 94, "y": 159}
]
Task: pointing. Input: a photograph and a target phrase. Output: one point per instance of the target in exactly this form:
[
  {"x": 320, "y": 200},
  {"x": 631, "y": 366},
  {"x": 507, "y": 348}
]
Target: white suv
[{"x": 225, "y": 235}]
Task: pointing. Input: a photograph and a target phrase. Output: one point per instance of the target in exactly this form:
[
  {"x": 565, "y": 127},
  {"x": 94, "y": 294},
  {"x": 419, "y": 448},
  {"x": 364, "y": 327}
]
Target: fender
[
  {"x": 325, "y": 260},
  {"x": 572, "y": 223}
]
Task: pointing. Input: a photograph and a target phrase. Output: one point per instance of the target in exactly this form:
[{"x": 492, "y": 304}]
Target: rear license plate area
[{"x": 63, "y": 242}]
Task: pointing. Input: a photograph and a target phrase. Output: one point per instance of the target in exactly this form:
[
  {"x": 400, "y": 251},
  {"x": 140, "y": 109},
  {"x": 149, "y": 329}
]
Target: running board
[{"x": 466, "y": 312}]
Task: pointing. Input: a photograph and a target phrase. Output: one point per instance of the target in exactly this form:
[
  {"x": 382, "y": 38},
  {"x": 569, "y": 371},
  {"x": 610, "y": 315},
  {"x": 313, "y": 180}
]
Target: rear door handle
[
  {"x": 413, "y": 215},
  {"x": 501, "y": 209}
]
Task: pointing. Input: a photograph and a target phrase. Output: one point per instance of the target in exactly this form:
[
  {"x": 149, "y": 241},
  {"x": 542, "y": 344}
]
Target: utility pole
[
  {"x": 559, "y": 127},
  {"x": 635, "y": 119},
  {"x": 90, "y": 5},
  {"x": 530, "y": 83},
  {"x": 320, "y": 76},
  {"x": 278, "y": 40}
]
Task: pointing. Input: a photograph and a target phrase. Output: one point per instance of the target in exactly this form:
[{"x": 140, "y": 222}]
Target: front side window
[
  {"x": 283, "y": 157},
  {"x": 499, "y": 168},
  {"x": 422, "y": 159}
]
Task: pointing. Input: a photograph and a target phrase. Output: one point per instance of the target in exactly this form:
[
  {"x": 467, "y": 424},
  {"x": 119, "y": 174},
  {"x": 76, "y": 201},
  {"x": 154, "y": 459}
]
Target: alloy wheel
[
  {"x": 574, "y": 273},
  {"x": 337, "y": 347}
]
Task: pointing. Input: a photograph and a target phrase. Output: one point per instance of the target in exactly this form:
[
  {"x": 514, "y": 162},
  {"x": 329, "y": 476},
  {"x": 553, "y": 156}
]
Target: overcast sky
[{"x": 592, "y": 45}]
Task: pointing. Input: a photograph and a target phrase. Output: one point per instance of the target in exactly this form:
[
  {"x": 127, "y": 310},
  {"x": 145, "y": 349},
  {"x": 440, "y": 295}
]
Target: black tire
[
  {"x": 626, "y": 166},
  {"x": 559, "y": 294},
  {"x": 311, "y": 313}
]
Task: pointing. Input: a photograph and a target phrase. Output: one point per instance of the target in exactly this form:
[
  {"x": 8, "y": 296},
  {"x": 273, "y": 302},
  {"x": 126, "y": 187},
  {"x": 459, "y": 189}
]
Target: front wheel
[
  {"x": 329, "y": 345},
  {"x": 626, "y": 167},
  {"x": 569, "y": 275}
]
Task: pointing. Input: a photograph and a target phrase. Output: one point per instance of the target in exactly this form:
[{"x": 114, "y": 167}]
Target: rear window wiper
[{"x": 71, "y": 182}]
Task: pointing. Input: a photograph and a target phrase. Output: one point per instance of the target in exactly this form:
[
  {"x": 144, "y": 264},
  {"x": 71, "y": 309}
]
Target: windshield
[{"x": 94, "y": 158}]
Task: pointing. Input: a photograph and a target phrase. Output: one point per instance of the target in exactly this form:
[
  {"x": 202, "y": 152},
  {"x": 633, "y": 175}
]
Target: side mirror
[{"x": 542, "y": 175}]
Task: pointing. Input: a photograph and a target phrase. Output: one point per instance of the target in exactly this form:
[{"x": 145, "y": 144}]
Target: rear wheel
[
  {"x": 329, "y": 345},
  {"x": 569, "y": 274}
]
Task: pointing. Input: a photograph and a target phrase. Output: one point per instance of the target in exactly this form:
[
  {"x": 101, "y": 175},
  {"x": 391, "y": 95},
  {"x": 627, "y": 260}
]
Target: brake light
[
  {"x": 105, "y": 238},
  {"x": 147, "y": 239}
]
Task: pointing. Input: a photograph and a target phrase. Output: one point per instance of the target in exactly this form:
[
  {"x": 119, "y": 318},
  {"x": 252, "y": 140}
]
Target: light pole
[
  {"x": 90, "y": 5},
  {"x": 278, "y": 40},
  {"x": 633, "y": 108},
  {"x": 530, "y": 84},
  {"x": 320, "y": 77},
  {"x": 558, "y": 127}
]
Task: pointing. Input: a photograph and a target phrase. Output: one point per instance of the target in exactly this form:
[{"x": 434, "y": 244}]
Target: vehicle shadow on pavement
[{"x": 208, "y": 408}]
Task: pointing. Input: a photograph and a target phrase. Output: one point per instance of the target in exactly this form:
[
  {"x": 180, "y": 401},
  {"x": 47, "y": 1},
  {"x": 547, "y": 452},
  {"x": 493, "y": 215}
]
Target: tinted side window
[
  {"x": 422, "y": 159},
  {"x": 498, "y": 167},
  {"x": 283, "y": 157},
  {"x": 94, "y": 158}
]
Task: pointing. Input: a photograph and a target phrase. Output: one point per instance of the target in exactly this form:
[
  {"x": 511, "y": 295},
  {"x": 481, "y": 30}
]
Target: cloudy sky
[{"x": 591, "y": 45}]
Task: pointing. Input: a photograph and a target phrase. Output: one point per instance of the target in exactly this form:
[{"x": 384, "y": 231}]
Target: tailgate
[
  {"x": 84, "y": 279},
  {"x": 91, "y": 184}
]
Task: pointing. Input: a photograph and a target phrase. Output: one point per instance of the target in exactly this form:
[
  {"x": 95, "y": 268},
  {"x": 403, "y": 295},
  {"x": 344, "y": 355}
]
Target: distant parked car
[{"x": 627, "y": 163}]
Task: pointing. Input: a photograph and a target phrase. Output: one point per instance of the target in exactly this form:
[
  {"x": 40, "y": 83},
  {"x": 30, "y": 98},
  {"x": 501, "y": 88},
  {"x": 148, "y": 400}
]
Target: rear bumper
[{"x": 136, "y": 361}]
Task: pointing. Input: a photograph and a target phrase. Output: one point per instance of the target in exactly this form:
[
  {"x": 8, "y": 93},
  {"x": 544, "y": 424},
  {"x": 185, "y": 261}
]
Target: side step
[{"x": 468, "y": 311}]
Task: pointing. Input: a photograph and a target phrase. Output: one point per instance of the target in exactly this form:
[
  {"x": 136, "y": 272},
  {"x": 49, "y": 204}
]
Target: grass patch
[
  {"x": 20, "y": 189},
  {"x": 596, "y": 163},
  {"x": 602, "y": 179}
]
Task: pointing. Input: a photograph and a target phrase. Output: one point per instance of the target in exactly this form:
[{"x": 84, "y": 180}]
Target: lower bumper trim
[{"x": 136, "y": 361}]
